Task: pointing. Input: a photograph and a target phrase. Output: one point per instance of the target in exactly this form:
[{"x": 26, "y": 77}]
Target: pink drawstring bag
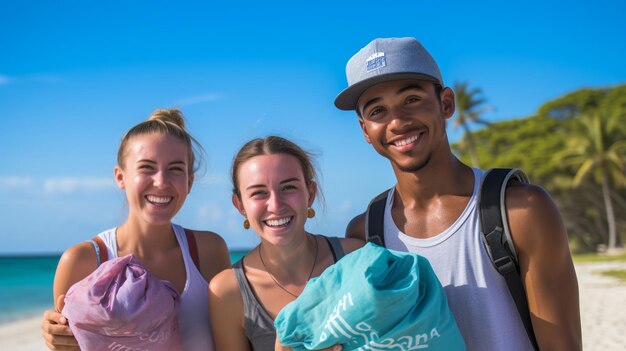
[{"x": 121, "y": 306}]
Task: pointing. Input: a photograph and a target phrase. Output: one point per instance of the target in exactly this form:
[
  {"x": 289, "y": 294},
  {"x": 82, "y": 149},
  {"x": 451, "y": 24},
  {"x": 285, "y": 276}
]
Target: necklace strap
[{"x": 276, "y": 281}]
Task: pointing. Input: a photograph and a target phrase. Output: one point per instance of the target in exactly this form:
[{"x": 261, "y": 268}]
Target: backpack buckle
[
  {"x": 505, "y": 265},
  {"x": 376, "y": 240}
]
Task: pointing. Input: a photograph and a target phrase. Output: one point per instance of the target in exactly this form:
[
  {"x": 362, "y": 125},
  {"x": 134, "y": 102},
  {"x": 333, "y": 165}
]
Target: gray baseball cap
[{"x": 383, "y": 60}]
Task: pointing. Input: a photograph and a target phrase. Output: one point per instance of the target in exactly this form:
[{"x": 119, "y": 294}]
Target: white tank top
[
  {"x": 477, "y": 294},
  {"x": 193, "y": 317}
]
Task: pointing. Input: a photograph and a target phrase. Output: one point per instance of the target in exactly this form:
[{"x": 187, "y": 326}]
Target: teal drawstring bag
[{"x": 371, "y": 299}]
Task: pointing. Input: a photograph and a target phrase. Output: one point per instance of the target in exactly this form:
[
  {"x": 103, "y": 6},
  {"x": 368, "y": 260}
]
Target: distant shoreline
[
  {"x": 238, "y": 251},
  {"x": 27, "y": 283},
  {"x": 30, "y": 255}
]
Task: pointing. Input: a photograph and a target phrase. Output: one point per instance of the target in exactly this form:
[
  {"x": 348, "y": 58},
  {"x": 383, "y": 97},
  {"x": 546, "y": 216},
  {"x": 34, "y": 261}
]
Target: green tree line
[{"x": 574, "y": 146}]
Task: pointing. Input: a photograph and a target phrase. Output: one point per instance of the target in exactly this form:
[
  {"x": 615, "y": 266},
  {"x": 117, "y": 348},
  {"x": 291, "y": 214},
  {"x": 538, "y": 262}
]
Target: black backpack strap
[
  {"x": 375, "y": 219},
  {"x": 497, "y": 238}
]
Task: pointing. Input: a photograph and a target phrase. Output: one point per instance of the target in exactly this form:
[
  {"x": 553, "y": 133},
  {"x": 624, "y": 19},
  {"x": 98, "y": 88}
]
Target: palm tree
[
  {"x": 599, "y": 151},
  {"x": 469, "y": 110}
]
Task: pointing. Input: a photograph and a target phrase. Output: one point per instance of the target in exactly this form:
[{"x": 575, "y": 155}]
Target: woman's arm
[
  {"x": 226, "y": 312},
  {"x": 212, "y": 253},
  {"x": 75, "y": 264}
]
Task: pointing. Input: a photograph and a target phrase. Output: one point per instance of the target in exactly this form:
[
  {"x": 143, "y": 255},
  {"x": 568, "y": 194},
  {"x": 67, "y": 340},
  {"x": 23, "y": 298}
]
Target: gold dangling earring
[
  {"x": 310, "y": 212},
  {"x": 246, "y": 224}
]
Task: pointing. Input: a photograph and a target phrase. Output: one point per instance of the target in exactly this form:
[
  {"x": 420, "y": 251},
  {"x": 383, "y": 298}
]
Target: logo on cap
[{"x": 375, "y": 61}]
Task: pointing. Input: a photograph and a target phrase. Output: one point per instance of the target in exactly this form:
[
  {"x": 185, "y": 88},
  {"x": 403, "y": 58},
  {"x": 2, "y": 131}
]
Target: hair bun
[{"x": 172, "y": 115}]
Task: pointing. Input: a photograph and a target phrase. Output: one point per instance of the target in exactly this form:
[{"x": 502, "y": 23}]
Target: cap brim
[{"x": 347, "y": 99}]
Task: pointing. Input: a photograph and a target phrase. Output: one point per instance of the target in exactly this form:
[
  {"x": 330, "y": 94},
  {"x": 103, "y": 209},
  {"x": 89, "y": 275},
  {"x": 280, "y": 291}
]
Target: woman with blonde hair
[{"x": 155, "y": 167}]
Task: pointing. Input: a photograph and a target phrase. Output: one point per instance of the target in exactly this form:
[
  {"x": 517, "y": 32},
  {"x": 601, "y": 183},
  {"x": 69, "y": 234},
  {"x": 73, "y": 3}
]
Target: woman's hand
[
  {"x": 56, "y": 331},
  {"x": 279, "y": 347}
]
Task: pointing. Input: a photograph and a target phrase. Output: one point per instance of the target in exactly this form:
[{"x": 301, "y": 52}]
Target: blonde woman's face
[{"x": 155, "y": 177}]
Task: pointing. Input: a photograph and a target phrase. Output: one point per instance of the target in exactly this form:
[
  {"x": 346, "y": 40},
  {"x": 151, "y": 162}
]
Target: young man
[{"x": 402, "y": 105}]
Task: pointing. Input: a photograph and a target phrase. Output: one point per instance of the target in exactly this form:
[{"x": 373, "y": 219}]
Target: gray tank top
[{"x": 258, "y": 325}]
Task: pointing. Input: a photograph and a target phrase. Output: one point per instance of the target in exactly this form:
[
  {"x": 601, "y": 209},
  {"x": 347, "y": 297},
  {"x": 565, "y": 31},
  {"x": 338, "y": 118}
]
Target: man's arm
[
  {"x": 356, "y": 228},
  {"x": 546, "y": 267}
]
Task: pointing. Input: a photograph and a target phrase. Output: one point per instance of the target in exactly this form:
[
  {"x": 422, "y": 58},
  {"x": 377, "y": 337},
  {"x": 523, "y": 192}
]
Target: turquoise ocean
[{"x": 26, "y": 284}]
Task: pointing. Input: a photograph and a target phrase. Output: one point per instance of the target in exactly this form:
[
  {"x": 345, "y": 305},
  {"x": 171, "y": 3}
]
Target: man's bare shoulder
[
  {"x": 529, "y": 201},
  {"x": 534, "y": 219},
  {"x": 351, "y": 244},
  {"x": 356, "y": 227}
]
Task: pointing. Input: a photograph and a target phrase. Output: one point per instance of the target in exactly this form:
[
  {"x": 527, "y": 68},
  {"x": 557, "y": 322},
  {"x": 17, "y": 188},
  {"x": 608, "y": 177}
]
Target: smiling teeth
[
  {"x": 278, "y": 222},
  {"x": 406, "y": 141},
  {"x": 159, "y": 199}
]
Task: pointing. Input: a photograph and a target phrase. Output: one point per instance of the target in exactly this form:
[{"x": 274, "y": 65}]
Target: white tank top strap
[
  {"x": 190, "y": 269},
  {"x": 110, "y": 240}
]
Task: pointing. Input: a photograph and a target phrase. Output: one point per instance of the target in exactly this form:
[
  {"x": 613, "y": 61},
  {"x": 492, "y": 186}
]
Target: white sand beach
[
  {"x": 603, "y": 307},
  {"x": 602, "y": 311}
]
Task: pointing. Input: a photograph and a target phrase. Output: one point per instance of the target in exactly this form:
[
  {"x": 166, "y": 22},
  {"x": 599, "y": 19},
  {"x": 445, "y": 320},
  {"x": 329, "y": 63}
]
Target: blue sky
[{"x": 75, "y": 75}]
